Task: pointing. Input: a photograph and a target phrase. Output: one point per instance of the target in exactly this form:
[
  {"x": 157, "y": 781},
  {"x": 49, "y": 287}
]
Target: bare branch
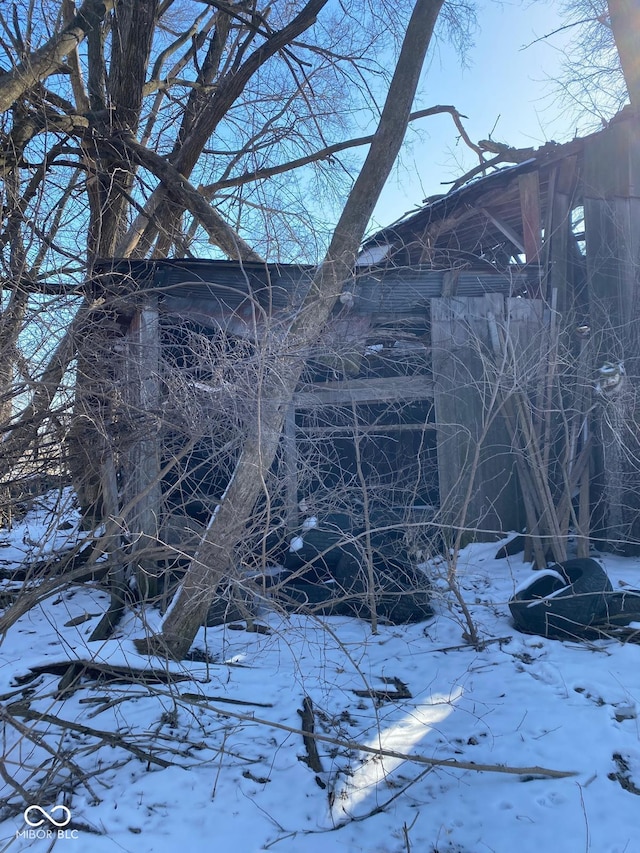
[
  {"x": 46, "y": 60},
  {"x": 232, "y": 86},
  {"x": 327, "y": 152},
  {"x": 220, "y": 232}
]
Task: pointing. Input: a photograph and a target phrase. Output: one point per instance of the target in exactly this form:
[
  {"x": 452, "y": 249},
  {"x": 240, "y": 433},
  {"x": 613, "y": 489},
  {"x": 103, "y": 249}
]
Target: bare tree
[
  {"x": 160, "y": 129},
  {"x": 166, "y": 129},
  {"x": 214, "y": 558}
]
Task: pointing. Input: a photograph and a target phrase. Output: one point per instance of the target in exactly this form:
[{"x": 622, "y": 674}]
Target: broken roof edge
[{"x": 532, "y": 159}]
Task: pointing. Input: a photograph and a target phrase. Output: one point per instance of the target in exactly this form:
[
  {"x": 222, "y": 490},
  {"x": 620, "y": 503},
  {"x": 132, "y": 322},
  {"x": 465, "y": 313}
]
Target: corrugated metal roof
[
  {"x": 401, "y": 291},
  {"x": 226, "y": 285}
]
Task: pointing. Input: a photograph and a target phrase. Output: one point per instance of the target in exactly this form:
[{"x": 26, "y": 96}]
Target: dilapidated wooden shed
[
  {"x": 364, "y": 409},
  {"x": 458, "y": 376}
]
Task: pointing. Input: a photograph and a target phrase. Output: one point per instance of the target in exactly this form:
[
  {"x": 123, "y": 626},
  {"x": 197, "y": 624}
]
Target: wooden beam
[
  {"x": 560, "y": 199},
  {"x": 510, "y": 233},
  {"x": 379, "y": 390},
  {"x": 612, "y": 232},
  {"x": 374, "y": 429},
  {"x": 529, "y": 185},
  {"x": 141, "y": 468},
  {"x": 558, "y": 243}
]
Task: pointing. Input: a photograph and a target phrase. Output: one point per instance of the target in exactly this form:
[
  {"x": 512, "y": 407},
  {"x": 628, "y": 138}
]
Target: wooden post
[
  {"x": 584, "y": 514},
  {"x": 529, "y": 186},
  {"x": 142, "y": 494},
  {"x": 559, "y": 203}
]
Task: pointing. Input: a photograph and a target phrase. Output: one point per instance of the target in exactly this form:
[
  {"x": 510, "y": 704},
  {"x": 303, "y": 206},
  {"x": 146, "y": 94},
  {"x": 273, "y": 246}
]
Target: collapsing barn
[
  {"x": 359, "y": 450},
  {"x": 454, "y": 390}
]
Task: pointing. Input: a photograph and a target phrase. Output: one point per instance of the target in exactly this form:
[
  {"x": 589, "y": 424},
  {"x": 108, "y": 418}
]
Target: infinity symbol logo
[{"x": 47, "y": 816}]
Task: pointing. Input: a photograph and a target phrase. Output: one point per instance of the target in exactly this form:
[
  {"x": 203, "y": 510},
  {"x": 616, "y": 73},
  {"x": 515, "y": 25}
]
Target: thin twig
[{"x": 111, "y": 738}]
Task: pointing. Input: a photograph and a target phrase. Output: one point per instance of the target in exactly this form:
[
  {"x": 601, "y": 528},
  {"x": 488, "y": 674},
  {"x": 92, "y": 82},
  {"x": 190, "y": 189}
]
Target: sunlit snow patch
[{"x": 400, "y": 737}]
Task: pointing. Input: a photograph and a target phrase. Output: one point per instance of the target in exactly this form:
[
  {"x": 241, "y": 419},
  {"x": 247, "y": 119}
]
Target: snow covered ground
[{"x": 215, "y": 762}]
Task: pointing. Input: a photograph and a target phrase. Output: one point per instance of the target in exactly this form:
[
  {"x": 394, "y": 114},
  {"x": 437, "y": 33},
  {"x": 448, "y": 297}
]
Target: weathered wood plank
[
  {"x": 613, "y": 238},
  {"x": 529, "y": 185},
  {"x": 377, "y": 390},
  {"x": 558, "y": 275},
  {"x": 450, "y": 282},
  {"x": 561, "y": 250},
  {"x": 509, "y": 232},
  {"x": 612, "y": 226},
  {"x": 612, "y": 161},
  {"x": 472, "y": 438}
]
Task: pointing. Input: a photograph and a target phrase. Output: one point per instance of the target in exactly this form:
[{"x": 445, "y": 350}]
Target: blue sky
[{"x": 505, "y": 91}]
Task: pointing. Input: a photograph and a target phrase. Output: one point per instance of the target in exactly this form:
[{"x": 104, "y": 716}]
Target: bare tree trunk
[
  {"x": 625, "y": 23},
  {"x": 214, "y": 558},
  {"x": 122, "y": 88}
]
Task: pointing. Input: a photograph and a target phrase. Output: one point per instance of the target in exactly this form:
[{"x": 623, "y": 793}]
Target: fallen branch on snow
[{"x": 390, "y": 753}]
